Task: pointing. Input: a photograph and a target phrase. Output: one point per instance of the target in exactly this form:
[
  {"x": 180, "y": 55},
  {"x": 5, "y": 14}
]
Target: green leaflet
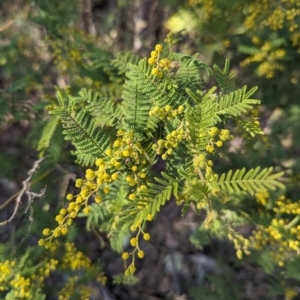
[
  {"x": 237, "y": 102},
  {"x": 80, "y": 127},
  {"x": 47, "y": 134},
  {"x": 251, "y": 181},
  {"x": 224, "y": 78},
  {"x": 156, "y": 196},
  {"x": 250, "y": 127}
]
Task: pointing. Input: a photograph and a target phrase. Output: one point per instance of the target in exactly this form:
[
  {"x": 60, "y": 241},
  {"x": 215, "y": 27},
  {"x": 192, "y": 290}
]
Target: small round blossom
[
  {"x": 151, "y": 61},
  {"x": 108, "y": 152},
  {"x": 132, "y": 269},
  {"x": 180, "y": 109},
  {"x": 210, "y": 148},
  {"x": 56, "y": 232},
  {"x": 89, "y": 174},
  {"x": 149, "y": 218},
  {"x": 46, "y": 231},
  {"x": 98, "y": 199},
  {"x": 79, "y": 200},
  {"x": 224, "y": 134},
  {"x": 86, "y": 210},
  {"x": 133, "y": 242},
  {"x": 64, "y": 230},
  {"x": 134, "y": 168},
  {"x": 141, "y": 254},
  {"x": 213, "y": 131},
  {"x": 41, "y": 242},
  {"x": 59, "y": 218},
  {"x": 154, "y": 54},
  {"x": 106, "y": 190},
  {"x": 164, "y": 156},
  {"x": 114, "y": 176},
  {"x": 63, "y": 211},
  {"x": 73, "y": 214},
  {"x": 69, "y": 197},
  {"x": 142, "y": 175},
  {"x": 146, "y": 236},
  {"x": 79, "y": 182},
  {"x": 125, "y": 255},
  {"x": 155, "y": 71},
  {"x": 131, "y": 196},
  {"x": 219, "y": 143},
  {"x": 99, "y": 162},
  {"x": 158, "y": 48}
]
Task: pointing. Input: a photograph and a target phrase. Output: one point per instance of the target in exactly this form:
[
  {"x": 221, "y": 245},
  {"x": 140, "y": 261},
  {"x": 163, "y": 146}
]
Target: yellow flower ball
[
  {"x": 141, "y": 254},
  {"x": 125, "y": 255},
  {"x": 146, "y": 236},
  {"x": 86, "y": 210},
  {"x": 158, "y": 48}
]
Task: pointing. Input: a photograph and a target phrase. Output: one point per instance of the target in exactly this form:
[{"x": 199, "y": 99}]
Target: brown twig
[{"x": 25, "y": 190}]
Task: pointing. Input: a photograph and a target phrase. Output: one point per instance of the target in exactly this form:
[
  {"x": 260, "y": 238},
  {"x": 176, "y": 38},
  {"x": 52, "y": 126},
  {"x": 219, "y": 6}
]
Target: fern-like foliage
[
  {"x": 156, "y": 196},
  {"x": 252, "y": 181},
  {"x": 122, "y": 61},
  {"x": 201, "y": 116},
  {"x": 98, "y": 213},
  {"x": 136, "y": 100},
  {"x": 251, "y": 127},
  {"x": 198, "y": 190},
  {"x": 190, "y": 72},
  {"x": 140, "y": 92},
  {"x": 158, "y": 110},
  {"x": 80, "y": 127},
  {"x": 237, "y": 102},
  {"x": 106, "y": 107},
  {"x": 99, "y": 61},
  {"x": 119, "y": 236},
  {"x": 47, "y": 135},
  {"x": 224, "y": 77}
]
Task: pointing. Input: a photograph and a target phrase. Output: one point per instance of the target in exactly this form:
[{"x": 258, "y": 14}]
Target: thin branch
[{"x": 25, "y": 190}]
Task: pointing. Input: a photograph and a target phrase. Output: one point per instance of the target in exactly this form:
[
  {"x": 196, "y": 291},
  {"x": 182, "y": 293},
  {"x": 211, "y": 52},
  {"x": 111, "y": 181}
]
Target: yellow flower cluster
[
  {"x": 68, "y": 56},
  {"x": 44, "y": 271},
  {"x": 274, "y": 16},
  {"x": 223, "y": 135},
  {"x": 260, "y": 15},
  {"x": 72, "y": 288},
  {"x": 73, "y": 259},
  {"x": 134, "y": 242},
  {"x": 262, "y": 197},
  {"x": 57, "y": 50},
  {"x": 208, "y": 7},
  {"x": 159, "y": 65},
  {"x": 21, "y": 287},
  {"x": 290, "y": 294},
  {"x": 10, "y": 280},
  {"x": 200, "y": 162},
  {"x": 76, "y": 261},
  {"x": 166, "y": 112},
  {"x": 167, "y": 146},
  {"x": 13, "y": 280},
  {"x": 268, "y": 58},
  {"x": 286, "y": 206},
  {"x": 125, "y": 153},
  {"x": 282, "y": 235},
  {"x": 6, "y": 270},
  {"x": 276, "y": 19},
  {"x": 241, "y": 244}
]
